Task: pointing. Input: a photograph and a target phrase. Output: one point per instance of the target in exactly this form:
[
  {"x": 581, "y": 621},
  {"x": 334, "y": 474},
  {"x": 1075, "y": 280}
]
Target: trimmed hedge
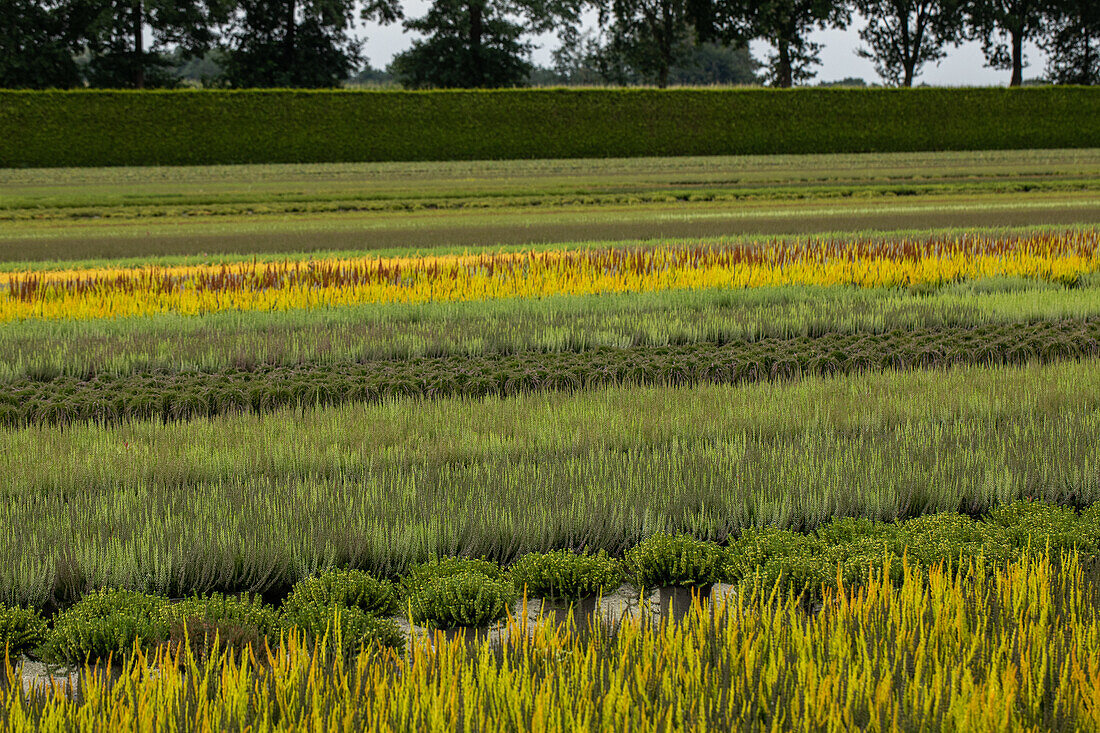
[{"x": 99, "y": 128}]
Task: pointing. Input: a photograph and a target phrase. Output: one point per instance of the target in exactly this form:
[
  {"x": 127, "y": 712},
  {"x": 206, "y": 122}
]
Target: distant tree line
[{"x": 481, "y": 43}]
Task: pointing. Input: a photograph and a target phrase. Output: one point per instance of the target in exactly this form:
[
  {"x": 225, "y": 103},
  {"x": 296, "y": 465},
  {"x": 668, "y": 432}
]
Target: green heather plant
[
  {"x": 205, "y": 637},
  {"x": 105, "y": 623},
  {"x": 445, "y": 567},
  {"x": 349, "y": 588},
  {"x": 245, "y": 611},
  {"x": 933, "y": 537},
  {"x": 1023, "y": 524},
  {"x": 459, "y": 599},
  {"x": 566, "y": 575},
  {"x": 346, "y": 628},
  {"x": 21, "y": 630},
  {"x": 664, "y": 560}
]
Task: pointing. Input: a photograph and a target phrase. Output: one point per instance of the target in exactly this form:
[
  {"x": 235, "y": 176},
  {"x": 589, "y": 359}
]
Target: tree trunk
[
  {"x": 1017, "y": 59},
  {"x": 907, "y": 81},
  {"x": 290, "y": 40},
  {"x": 476, "y": 32},
  {"x": 139, "y": 45},
  {"x": 665, "y": 40},
  {"x": 784, "y": 77}
]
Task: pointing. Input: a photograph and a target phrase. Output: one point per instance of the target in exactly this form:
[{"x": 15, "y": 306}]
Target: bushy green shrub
[
  {"x": 107, "y": 622},
  {"x": 454, "y": 566},
  {"x": 349, "y": 588},
  {"x": 566, "y": 575},
  {"x": 204, "y": 637},
  {"x": 462, "y": 598},
  {"x": 948, "y": 536},
  {"x": 1024, "y": 524},
  {"x": 757, "y": 546},
  {"x": 664, "y": 559},
  {"x": 344, "y": 628},
  {"x": 849, "y": 529},
  {"x": 21, "y": 629},
  {"x": 235, "y": 621}
]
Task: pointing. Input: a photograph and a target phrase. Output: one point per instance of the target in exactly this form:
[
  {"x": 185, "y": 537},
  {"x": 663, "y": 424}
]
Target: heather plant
[
  {"x": 1024, "y": 524},
  {"x": 458, "y": 592},
  {"x": 347, "y": 588},
  {"x": 202, "y": 637},
  {"x": 566, "y": 575},
  {"x": 107, "y": 623},
  {"x": 667, "y": 560},
  {"x": 245, "y": 611},
  {"x": 21, "y": 630},
  {"x": 344, "y": 628}
]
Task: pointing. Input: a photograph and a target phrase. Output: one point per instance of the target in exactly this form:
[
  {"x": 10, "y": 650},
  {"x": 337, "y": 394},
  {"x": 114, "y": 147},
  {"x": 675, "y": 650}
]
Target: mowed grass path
[{"x": 78, "y": 214}]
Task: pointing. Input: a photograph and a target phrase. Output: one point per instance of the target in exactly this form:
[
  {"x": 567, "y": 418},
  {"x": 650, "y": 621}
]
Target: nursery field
[
  {"x": 90, "y": 213},
  {"x": 281, "y": 449}
]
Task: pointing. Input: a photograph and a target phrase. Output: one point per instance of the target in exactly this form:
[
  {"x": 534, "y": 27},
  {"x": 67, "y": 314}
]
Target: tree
[
  {"x": 714, "y": 63},
  {"x": 583, "y": 59},
  {"x": 904, "y": 35},
  {"x": 478, "y": 43},
  {"x": 467, "y": 44},
  {"x": 651, "y": 34},
  {"x": 113, "y": 33},
  {"x": 297, "y": 43},
  {"x": 785, "y": 24},
  {"x": 1003, "y": 26},
  {"x": 36, "y": 48},
  {"x": 1071, "y": 40}
]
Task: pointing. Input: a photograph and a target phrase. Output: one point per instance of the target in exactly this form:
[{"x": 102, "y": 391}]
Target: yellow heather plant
[
  {"x": 113, "y": 292},
  {"x": 1017, "y": 649}
]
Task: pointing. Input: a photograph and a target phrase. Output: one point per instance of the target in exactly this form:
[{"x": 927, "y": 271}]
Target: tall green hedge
[{"x": 92, "y": 128}]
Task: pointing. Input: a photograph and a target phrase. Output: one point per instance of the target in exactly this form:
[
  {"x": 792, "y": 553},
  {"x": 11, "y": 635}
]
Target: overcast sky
[{"x": 964, "y": 65}]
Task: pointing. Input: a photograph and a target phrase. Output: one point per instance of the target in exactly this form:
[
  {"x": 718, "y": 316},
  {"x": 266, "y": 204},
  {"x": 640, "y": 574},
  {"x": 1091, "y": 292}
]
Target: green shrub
[
  {"x": 244, "y": 611},
  {"x": 107, "y": 622},
  {"x": 98, "y": 128},
  {"x": 21, "y": 629},
  {"x": 343, "y": 628},
  {"x": 350, "y": 588},
  {"x": 664, "y": 559},
  {"x": 1037, "y": 524},
  {"x": 463, "y": 598},
  {"x": 756, "y": 547},
  {"x": 848, "y": 529},
  {"x": 948, "y": 536},
  {"x": 206, "y": 637},
  {"x": 566, "y": 574},
  {"x": 436, "y": 569}
]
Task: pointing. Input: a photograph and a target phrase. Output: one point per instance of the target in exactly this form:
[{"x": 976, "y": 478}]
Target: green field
[{"x": 89, "y": 214}]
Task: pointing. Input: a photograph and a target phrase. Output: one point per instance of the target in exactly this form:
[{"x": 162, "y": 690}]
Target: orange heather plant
[{"x": 247, "y": 286}]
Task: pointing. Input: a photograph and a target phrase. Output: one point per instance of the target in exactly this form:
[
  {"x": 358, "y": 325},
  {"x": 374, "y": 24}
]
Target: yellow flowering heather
[
  {"x": 1018, "y": 650},
  {"x": 105, "y": 293}
]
